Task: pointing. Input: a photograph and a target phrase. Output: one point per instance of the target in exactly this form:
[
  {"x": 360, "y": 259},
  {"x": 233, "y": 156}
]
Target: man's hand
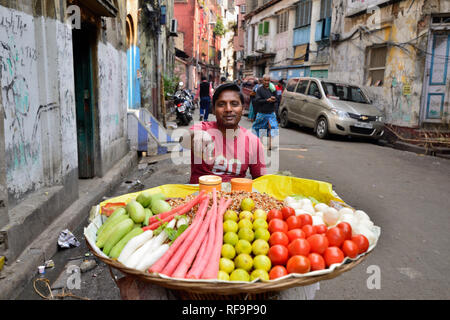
[{"x": 271, "y": 99}]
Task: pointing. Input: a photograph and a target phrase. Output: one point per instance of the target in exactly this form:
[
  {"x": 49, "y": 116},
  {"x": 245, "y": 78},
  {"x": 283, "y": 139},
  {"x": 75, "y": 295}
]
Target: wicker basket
[{"x": 201, "y": 290}]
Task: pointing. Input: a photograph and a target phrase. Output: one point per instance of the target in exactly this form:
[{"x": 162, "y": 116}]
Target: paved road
[{"x": 404, "y": 193}]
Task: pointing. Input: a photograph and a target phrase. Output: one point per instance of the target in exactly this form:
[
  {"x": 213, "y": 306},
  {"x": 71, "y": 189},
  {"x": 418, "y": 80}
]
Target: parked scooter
[{"x": 182, "y": 107}]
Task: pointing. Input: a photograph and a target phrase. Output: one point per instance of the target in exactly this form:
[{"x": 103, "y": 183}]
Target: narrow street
[{"x": 404, "y": 193}]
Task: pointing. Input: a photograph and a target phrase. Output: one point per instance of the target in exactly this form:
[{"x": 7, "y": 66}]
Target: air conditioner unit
[
  {"x": 173, "y": 26},
  {"x": 261, "y": 45}
]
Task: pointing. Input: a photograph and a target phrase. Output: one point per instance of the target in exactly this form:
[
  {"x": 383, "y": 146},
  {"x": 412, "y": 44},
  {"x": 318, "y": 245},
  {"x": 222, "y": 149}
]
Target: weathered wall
[{"x": 404, "y": 27}]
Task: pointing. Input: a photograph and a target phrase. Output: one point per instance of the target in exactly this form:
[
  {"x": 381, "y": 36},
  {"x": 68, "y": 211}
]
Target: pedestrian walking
[
  {"x": 265, "y": 100},
  {"x": 204, "y": 92},
  {"x": 279, "y": 87},
  {"x": 251, "y": 111}
]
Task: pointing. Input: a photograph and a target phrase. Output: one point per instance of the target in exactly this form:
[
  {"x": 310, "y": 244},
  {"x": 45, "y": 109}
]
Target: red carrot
[
  {"x": 212, "y": 268},
  {"x": 179, "y": 254},
  {"x": 159, "y": 265},
  {"x": 184, "y": 208},
  {"x": 203, "y": 257},
  {"x": 191, "y": 252}
]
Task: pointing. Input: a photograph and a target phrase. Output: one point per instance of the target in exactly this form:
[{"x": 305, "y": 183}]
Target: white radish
[
  {"x": 149, "y": 246},
  {"x": 182, "y": 221},
  {"x": 134, "y": 244},
  {"x": 320, "y": 207},
  {"x": 150, "y": 259}
]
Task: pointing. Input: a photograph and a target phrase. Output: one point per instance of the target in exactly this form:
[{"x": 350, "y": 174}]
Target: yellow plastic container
[
  {"x": 241, "y": 184},
  {"x": 208, "y": 183}
]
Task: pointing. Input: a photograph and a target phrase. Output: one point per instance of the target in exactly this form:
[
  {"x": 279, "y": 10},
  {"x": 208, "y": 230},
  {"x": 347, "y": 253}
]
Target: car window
[
  {"x": 301, "y": 88},
  {"x": 344, "y": 92},
  {"x": 291, "y": 85},
  {"x": 314, "y": 90}
]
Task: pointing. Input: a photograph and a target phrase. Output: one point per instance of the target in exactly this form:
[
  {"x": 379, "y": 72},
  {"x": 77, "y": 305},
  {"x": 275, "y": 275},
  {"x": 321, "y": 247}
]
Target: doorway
[{"x": 84, "y": 98}]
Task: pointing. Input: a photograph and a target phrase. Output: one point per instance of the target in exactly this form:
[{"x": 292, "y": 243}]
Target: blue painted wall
[
  {"x": 301, "y": 36},
  {"x": 133, "y": 65}
]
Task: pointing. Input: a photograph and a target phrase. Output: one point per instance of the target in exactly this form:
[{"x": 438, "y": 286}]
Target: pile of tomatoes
[{"x": 296, "y": 246}]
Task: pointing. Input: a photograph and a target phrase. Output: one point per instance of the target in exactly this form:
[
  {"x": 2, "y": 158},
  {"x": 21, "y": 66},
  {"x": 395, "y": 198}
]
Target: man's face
[
  {"x": 266, "y": 82},
  {"x": 228, "y": 109}
]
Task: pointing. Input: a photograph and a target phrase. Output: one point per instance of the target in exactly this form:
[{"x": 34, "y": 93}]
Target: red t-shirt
[{"x": 228, "y": 160}]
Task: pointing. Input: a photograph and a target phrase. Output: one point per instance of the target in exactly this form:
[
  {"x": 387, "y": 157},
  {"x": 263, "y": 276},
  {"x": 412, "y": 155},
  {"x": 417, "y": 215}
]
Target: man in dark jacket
[
  {"x": 265, "y": 103},
  {"x": 205, "y": 92}
]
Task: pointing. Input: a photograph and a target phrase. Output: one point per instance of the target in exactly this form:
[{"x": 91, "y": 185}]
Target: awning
[
  {"x": 104, "y": 8},
  {"x": 181, "y": 54},
  {"x": 300, "y": 54}
]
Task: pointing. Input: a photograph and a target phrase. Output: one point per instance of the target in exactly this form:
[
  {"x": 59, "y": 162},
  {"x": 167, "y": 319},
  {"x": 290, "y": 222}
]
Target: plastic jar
[
  {"x": 241, "y": 184},
  {"x": 208, "y": 183}
]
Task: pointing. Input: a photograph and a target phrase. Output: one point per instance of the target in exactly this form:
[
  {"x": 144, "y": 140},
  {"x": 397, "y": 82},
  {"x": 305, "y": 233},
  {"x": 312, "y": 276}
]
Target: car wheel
[
  {"x": 322, "y": 128},
  {"x": 284, "y": 121}
]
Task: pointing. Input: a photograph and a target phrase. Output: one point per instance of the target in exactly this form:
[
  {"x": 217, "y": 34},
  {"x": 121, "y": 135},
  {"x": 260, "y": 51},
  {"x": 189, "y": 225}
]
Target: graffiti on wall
[{"x": 20, "y": 96}]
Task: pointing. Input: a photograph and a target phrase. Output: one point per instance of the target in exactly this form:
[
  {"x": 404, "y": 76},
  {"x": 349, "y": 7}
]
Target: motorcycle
[{"x": 182, "y": 108}]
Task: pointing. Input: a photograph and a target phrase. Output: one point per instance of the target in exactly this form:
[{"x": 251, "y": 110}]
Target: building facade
[
  {"x": 239, "y": 38},
  {"x": 399, "y": 51},
  {"x": 63, "y": 103}
]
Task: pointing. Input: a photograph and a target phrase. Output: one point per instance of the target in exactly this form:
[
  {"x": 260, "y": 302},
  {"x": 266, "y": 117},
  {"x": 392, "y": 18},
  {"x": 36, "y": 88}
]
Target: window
[
  {"x": 283, "y": 21},
  {"x": 344, "y": 92},
  {"x": 303, "y": 13},
  {"x": 291, "y": 85},
  {"x": 243, "y": 8},
  {"x": 314, "y": 90},
  {"x": 263, "y": 28},
  {"x": 302, "y": 86},
  {"x": 325, "y": 9},
  {"x": 376, "y": 62}
]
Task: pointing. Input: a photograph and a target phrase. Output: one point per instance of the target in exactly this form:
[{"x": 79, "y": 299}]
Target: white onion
[
  {"x": 306, "y": 202},
  {"x": 317, "y": 220},
  {"x": 345, "y": 210},
  {"x": 319, "y": 214},
  {"x": 320, "y": 207},
  {"x": 350, "y": 219},
  {"x": 288, "y": 201},
  {"x": 300, "y": 211},
  {"x": 308, "y": 208},
  {"x": 369, "y": 234},
  {"x": 295, "y": 205},
  {"x": 366, "y": 223},
  {"x": 361, "y": 215},
  {"x": 331, "y": 216}
]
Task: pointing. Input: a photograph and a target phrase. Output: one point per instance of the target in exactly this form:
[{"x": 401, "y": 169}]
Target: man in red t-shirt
[{"x": 222, "y": 147}]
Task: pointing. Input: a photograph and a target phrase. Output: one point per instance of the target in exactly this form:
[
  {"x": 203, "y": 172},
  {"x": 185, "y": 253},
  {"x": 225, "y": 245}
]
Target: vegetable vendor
[{"x": 223, "y": 147}]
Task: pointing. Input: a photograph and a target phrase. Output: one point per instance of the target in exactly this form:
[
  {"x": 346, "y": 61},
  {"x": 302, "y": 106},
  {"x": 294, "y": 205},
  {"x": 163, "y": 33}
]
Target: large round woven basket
[{"x": 227, "y": 290}]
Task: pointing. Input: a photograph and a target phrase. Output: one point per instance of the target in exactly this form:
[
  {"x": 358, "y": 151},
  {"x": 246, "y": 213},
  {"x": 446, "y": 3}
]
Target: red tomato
[
  {"x": 274, "y": 214},
  {"x": 295, "y": 234},
  {"x": 306, "y": 219},
  {"x": 299, "y": 247},
  {"x": 287, "y": 212},
  {"x": 317, "y": 261},
  {"x": 335, "y": 236},
  {"x": 277, "y": 272},
  {"x": 362, "y": 242},
  {"x": 333, "y": 255},
  {"x": 278, "y": 238},
  {"x": 346, "y": 229},
  {"x": 278, "y": 225},
  {"x": 278, "y": 254},
  {"x": 318, "y": 243},
  {"x": 308, "y": 230},
  {"x": 350, "y": 248},
  {"x": 294, "y": 222},
  {"x": 321, "y": 228},
  {"x": 298, "y": 264}
]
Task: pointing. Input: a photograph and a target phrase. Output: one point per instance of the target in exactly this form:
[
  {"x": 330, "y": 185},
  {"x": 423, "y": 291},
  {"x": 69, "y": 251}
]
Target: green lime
[
  {"x": 239, "y": 275},
  {"x": 222, "y": 275},
  {"x": 259, "y": 214},
  {"x": 244, "y": 261},
  {"x": 230, "y": 226},
  {"x": 243, "y": 246},
  {"x": 260, "y": 246},
  {"x": 231, "y": 238},
  {"x": 263, "y": 234},
  {"x": 226, "y": 265},
  {"x": 231, "y": 215},
  {"x": 246, "y": 234},
  {"x": 262, "y": 262},
  {"x": 245, "y": 223},
  {"x": 260, "y": 223},
  {"x": 228, "y": 251},
  {"x": 258, "y": 273},
  {"x": 247, "y": 204},
  {"x": 246, "y": 215}
]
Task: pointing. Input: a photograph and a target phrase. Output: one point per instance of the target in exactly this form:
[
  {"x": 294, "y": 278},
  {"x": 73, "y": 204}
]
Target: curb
[{"x": 21, "y": 271}]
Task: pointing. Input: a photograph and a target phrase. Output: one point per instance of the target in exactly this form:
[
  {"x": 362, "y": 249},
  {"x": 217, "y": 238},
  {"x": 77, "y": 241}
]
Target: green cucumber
[
  {"x": 148, "y": 214},
  {"x": 117, "y": 249},
  {"x": 118, "y": 212},
  {"x": 120, "y": 230},
  {"x": 103, "y": 236}
]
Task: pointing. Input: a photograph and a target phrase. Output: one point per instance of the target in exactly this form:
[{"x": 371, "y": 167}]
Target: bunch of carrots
[{"x": 195, "y": 254}]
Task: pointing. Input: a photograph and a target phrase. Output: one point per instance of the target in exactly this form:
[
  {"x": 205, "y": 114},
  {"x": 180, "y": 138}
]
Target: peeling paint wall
[{"x": 404, "y": 27}]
